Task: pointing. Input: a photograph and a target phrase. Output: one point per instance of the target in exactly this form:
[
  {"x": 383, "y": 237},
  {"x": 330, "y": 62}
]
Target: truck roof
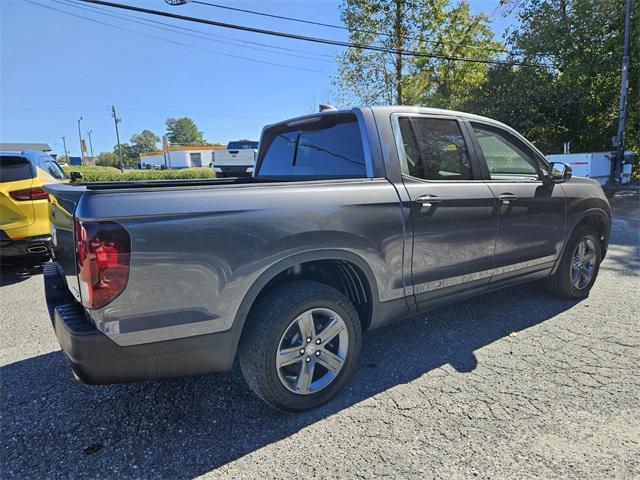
[
  {"x": 391, "y": 109},
  {"x": 22, "y": 153}
]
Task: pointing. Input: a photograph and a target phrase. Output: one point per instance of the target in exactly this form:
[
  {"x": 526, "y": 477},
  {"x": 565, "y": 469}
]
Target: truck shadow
[{"x": 183, "y": 428}]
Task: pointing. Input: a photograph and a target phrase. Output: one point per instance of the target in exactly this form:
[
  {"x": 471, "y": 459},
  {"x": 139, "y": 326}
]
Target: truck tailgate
[{"x": 63, "y": 201}]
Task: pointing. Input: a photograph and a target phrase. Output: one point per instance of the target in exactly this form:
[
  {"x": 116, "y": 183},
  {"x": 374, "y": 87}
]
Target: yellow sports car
[{"x": 25, "y": 228}]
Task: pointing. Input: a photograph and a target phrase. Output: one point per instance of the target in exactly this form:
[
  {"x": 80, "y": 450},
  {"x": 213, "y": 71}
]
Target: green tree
[
  {"x": 183, "y": 131},
  {"x": 130, "y": 158},
  {"x": 575, "y": 99},
  {"x": 107, "y": 159},
  {"x": 145, "y": 141},
  {"x": 432, "y": 26},
  {"x": 450, "y": 32},
  {"x": 525, "y": 99}
]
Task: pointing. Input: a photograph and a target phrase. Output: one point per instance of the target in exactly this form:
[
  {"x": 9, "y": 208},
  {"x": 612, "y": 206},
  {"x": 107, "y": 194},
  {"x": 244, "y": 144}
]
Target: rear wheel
[
  {"x": 300, "y": 346},
  {"x": 578, "y": 267}
]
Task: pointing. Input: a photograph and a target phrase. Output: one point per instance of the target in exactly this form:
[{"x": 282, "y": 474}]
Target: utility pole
[
  {"x": 90, "y": 143},
  {"x": 116, "y": 121},
  {"x": 66, "y": 155},
  {"x": 618, "y": 143},
  {"x": 80, "y": 137},
  {"x": 399, "y": 42}
]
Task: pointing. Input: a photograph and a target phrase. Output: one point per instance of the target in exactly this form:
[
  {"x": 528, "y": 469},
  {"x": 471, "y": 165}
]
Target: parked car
[
  {"x": 25, "y": 228},
  {"x": 237, "y": 160},
  {"x": 352, "y": 219}
]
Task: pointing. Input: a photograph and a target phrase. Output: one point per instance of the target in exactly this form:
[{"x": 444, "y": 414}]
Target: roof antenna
[{"x": 325, "y": 107}]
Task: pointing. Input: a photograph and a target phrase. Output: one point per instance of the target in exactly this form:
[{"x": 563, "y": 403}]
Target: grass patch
[{"x": 111, "y": 174}]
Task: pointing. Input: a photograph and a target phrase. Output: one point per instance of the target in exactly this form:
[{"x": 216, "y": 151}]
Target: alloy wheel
[
  {"x": 312, "y": 351},
  {"x": 583, "y": 263}
]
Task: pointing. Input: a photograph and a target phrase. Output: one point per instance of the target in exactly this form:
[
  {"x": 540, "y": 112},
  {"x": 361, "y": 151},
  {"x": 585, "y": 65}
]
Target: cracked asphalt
[{"x": 514, "y": 384}]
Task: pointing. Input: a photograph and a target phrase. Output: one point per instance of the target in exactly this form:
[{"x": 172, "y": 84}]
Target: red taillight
[
  {"x": 103, "y": 251},
  {"x": 29, "y": 194}
]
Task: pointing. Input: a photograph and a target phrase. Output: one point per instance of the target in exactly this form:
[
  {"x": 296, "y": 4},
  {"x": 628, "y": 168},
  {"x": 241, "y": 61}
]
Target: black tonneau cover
[{"x": 166, "y": 183}]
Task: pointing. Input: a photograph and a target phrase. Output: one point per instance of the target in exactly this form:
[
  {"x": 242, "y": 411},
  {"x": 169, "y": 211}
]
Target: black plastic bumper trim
[
  {"x": 15, "y": 248},
  {"x": 96, "y": 359}
]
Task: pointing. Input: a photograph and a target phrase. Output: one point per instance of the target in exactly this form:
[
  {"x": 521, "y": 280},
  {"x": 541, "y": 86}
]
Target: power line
[
  {"x": 271, "y": 15},
  {"x": 176, "y": 42},
  {"x": 342, "y": 27},
  {"x": 247, "y": 42},
  {"x": 306, "y": 38},
  {"x": 166, "y": 26}
]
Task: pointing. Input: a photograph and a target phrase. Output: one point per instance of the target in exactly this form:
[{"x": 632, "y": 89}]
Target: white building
[{"x": 180, "y": 156}]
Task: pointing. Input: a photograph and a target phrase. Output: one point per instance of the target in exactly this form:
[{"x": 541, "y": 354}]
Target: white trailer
[
  {"x": 596, "y": 165},
  {"x": 180, "y": 156}
]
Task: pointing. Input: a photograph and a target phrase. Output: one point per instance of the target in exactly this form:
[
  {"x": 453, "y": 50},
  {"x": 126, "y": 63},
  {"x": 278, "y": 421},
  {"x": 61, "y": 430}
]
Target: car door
[
  {"x": 453, "y": 212},
  {"x": 532, "y": 212}
]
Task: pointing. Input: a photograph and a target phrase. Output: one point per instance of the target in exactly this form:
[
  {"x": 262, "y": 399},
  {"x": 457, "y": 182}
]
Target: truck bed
[{"x": 168, "y": 183}]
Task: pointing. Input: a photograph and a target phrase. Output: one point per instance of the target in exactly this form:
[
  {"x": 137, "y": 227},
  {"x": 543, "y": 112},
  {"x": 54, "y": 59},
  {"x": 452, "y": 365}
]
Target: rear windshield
[
  {"x": 13, "y": 169},
  {"x": 330, "y": 147},
  {"x": 242, "y": 145}
]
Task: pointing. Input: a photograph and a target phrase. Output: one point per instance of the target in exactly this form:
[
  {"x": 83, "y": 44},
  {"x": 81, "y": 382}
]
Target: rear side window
[
  {"x": 54, "y": 169},
  {"x": 330, "y": 147},
  {"x": 13, "y": 169},
  {"x": 434, "y": 149}
]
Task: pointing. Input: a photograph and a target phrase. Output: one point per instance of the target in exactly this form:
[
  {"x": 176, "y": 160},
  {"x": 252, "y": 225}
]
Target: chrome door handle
[
  {"x": 506, "y": 198},
  {"x": 428, "y": 200}
]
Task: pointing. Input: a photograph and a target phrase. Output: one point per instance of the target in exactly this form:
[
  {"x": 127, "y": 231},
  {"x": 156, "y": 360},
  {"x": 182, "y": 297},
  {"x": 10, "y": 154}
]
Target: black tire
[
  {"x": 267, "y": 323},
  {"x": 560, "y": 283}
]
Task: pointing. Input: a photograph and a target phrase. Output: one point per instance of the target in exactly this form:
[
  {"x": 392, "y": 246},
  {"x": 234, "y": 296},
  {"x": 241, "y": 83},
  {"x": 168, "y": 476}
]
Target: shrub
[
  {"x": 110, "y": 174},
  {"x": 95, "y": 174}
]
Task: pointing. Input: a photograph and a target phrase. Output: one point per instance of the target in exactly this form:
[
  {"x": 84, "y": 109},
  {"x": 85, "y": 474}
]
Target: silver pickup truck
[{"x": 352, "y": 219}]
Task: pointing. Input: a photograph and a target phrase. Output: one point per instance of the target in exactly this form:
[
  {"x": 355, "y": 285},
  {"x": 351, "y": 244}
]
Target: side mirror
[
  {"x": 75, "y": 177},
  {"x": 560, "y": 172}
]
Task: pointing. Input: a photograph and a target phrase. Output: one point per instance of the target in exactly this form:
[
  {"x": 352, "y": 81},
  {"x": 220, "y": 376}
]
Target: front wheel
[
  {"x": 578, "y": 267},
  {"x": 300, "y": 346}
]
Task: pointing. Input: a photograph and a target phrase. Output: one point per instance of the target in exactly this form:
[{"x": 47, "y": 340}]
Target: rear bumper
[
  {"x": 10, "y": 247},
  {"x": 233, "y": 171},
  {"x": 96, "y": 359}
]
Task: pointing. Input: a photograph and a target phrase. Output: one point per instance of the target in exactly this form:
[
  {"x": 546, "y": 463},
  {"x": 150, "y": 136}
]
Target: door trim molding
[{"x": 483, "y": 274}]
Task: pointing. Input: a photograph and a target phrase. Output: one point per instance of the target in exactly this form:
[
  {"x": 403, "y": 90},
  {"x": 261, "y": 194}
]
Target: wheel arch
[
  {"x": 596, "y": 218},
  {"x": 356, "y": 267}
]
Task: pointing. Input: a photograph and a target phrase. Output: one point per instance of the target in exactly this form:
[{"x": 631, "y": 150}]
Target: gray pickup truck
[{"x": 352, "y": 219}]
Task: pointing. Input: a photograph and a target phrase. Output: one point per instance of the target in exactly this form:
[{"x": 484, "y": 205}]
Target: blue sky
[{"x": 56, "y": 67}]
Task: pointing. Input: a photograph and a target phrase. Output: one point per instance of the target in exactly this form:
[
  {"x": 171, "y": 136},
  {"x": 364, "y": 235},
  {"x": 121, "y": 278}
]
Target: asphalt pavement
[{"x": 513, "y": 384}]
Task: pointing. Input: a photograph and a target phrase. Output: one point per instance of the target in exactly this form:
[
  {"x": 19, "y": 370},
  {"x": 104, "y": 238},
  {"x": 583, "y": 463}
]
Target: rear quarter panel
[
  {"x": 15, "y": 216},
  {"x": 42, "y": 224},
  {"x": 27, "y": 218},
  {"x": 197, "y": 251}
]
